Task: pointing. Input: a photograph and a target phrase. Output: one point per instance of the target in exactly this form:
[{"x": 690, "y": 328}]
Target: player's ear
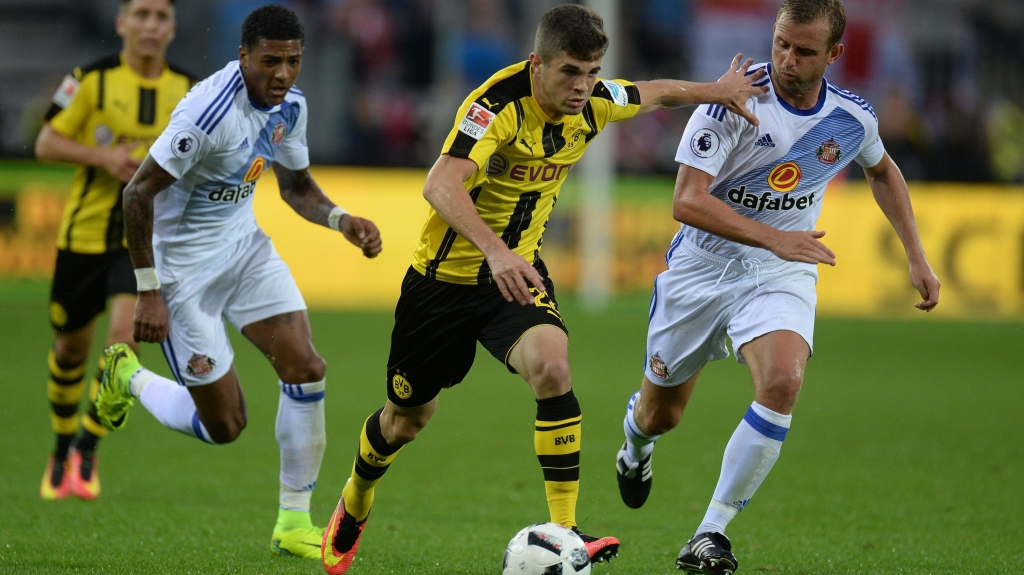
[
  {"x": 243, "y": 56},
  {"x": 535, "y": 62},
  {"x": 119, "y": 23},
  {"x": 835, "y": 53}
]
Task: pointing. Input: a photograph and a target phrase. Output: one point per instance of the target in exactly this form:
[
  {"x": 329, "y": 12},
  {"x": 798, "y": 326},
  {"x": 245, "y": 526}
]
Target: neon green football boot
[
  {"x": 295, "y": 535},
  {"x": 115, "y": 396}
]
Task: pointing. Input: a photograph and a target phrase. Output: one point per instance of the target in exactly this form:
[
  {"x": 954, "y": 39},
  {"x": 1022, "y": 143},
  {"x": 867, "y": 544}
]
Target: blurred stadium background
[
  {"x": 384, "y": 77},
  {"x": 906, "y": 436}
]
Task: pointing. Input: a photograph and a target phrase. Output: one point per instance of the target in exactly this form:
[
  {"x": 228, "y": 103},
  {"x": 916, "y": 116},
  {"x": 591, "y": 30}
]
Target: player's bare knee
[
  {"x": 551, "y": 378},
  {"x": 779, "y": 393},
  {"x": 311, "y": 368},
  {"x": 659, "y": 420},
  {"x": 226, "y": 430}
]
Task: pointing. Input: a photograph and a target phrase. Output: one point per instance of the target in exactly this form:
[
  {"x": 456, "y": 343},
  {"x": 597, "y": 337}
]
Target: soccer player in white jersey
[
  {"x": 743, "y": 264},
  {"x": 200, "y": 259}
]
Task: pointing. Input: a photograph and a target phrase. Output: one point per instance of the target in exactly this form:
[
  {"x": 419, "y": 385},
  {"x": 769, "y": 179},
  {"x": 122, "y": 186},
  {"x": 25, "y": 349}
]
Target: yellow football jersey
[
  {"x": 523, "y": 159},
  {"x": 105, "y": 104}
]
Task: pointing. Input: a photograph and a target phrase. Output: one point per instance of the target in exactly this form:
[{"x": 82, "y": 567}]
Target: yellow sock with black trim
[
  {"x": 557, "y": 442},
  {"x": 64, "y": 390},
  {"x": 372, "y": 461}
]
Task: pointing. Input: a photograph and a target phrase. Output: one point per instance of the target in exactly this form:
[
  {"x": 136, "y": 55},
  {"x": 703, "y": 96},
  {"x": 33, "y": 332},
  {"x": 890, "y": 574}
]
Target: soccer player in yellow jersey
[
  {"x": 476, "y": 272},
  {"x": 104, "y": 117}
]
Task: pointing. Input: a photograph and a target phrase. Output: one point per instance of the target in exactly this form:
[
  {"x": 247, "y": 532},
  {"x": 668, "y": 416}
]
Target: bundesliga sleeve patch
[
  {"x": 184, "y": 144},
  {"x": 705, "y": 143},
  {"x": 476, "y": 121},
  {"x": 618, "y": 92},
  {"x": 66, "y": 93}
]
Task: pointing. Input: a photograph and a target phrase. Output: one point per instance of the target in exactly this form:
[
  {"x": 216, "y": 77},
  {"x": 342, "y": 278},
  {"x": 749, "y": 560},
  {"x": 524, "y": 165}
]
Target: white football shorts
[
  {"x": 704, "y": 297},
  {"x": 244, "y": 283}
]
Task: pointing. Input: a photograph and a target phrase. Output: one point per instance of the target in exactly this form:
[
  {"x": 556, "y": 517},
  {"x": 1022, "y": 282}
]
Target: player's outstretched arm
[
  {"x": 891, "y": 194},
  {"x": 693, "y": 205},
  {"x": 150, "y": 311},
  {"x": 300, "y": 191},
  {"x": 446, "y": 193},
  {"x": 52, "y": 145},
  {"x": 732, "y": 90}
]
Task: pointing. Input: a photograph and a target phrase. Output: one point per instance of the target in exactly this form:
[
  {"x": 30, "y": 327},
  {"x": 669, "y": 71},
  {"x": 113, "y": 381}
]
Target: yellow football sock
[{"x": 557, "y": 442}]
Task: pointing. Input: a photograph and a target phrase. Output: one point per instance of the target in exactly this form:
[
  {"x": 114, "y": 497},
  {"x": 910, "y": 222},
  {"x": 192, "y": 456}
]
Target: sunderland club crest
[
  {"x": 199, "y": 365},
  {"x": 828, "y": 152},
  {"x": 658, "y": 366}
]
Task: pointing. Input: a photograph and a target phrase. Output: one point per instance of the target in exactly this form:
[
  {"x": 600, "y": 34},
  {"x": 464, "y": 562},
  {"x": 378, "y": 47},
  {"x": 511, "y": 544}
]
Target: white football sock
[
  {"x": 749, "y": 456},
  {"x": 302, "y": 438},
  {"x": 638, "y": 445},
  {"x": 171, "y": 404}
]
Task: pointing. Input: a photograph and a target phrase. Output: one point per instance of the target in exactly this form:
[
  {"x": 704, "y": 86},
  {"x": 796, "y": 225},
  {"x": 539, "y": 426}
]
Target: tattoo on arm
[
  {"x": 300, "y": 191},
  {"x": 149, "y": 181}
]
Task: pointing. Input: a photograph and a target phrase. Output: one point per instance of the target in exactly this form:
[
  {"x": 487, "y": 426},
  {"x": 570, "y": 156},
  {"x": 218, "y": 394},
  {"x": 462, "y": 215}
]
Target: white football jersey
[
  {"x": 217, "y": 145},
  {"x": 775, "y": 173}
]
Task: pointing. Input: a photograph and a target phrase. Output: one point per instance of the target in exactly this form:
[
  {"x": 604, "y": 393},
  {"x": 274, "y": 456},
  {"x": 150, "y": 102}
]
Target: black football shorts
[
  {"x": 437, "y": 325},
  {"x": 82, "y": 284}
]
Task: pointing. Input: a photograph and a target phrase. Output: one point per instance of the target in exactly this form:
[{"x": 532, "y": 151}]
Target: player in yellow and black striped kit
[
  {"x": 477, "y": 273},
  {"x": 104, "y": 117}
]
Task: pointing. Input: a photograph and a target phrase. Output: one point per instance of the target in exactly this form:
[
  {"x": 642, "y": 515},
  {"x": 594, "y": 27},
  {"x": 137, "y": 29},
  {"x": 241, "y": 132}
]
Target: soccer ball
[{"x": 546, "y": 549}]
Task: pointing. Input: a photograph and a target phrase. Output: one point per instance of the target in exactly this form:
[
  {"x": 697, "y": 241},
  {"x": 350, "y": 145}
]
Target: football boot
[
  {"x": 341, "y": 540},
  {"x": 599, "y": 548},
  {"x": 635, "y": 478},
  {"x": 708, "y": 553},
  {"x": 115, "y": 396},
  {"x": 62, "y": 473},
  {"x": 85, "y": 475}
]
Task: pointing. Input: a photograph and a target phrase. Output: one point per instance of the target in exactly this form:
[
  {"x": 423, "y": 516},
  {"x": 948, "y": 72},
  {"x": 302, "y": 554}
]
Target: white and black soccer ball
[{"x": 546, "y": 549}]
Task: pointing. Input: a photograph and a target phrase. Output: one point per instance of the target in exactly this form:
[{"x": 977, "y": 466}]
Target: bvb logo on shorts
[{"x": 401, "y": 386}]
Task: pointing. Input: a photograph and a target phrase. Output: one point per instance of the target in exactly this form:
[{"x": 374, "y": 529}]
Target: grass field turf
[{"x": 906, "y": 456}]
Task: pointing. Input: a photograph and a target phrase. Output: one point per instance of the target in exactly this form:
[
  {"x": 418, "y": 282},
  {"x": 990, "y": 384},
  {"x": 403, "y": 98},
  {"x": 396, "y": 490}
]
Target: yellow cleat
[
  {"x": 115, "y": 396},
  {"x": 300, "y": 542}
]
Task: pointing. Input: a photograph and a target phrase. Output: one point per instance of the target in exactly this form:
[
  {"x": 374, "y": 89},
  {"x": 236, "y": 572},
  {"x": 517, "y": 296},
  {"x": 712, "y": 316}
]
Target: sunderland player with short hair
[
  {"x": 104, "y": 117},
  {"x": 200, "y": 259},
  {"x": 743, "y": 264},
  {"x": 477, "y": 274}
]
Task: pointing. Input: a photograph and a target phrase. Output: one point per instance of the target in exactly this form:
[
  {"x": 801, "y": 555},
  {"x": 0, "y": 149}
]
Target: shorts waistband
[{"x": 751, "y": 266}]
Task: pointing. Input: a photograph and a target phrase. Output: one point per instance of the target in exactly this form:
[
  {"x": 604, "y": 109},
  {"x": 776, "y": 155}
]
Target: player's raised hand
[
  {"x": 802, "y": 247},
  {"x": 151, "y": 323},
  {"x": 927, "y": 284},
  {"x": 737, "y": 88},
  {"x": 363, "y": 234},
  {"x": 514, "y": 275},
  {"x": 120, "y": 163}
]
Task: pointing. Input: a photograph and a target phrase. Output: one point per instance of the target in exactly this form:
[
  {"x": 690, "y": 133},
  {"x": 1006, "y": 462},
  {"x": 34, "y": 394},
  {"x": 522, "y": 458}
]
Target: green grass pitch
[{"x": 906, "y": 456}]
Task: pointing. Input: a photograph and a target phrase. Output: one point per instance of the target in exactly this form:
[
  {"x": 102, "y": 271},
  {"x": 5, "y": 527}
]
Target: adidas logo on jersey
[
  {"x": 765, "y": 201},
  {"x": 233, "y": 195},
  {"x": 244, "y": 145},
  {"x": 765, "y": 141}
]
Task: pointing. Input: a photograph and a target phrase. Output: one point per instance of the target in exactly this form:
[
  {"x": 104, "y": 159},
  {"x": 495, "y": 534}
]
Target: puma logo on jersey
[
  {"x": 565, "y": 439},
  {"x": 234, "y": 194},
  {"x": 528, "y": 146},
  {"x": 487, "y": 103}
]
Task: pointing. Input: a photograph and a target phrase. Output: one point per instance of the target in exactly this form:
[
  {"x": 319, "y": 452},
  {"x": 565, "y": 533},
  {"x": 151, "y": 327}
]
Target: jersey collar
[{"x": 797, "y": 111}]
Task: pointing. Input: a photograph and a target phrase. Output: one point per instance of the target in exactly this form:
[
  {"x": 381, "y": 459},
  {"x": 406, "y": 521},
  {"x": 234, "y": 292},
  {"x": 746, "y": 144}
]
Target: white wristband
[
  {"x": 146, "y": 280},
  {"x": 334, "y": 219}
]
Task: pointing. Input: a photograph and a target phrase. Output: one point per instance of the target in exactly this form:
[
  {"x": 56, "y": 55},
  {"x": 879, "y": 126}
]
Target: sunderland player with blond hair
[
  {"x": 201, "y": 260},
  {"x": 104, "y": 117},
  {"x": 743, "y": 264},
  {"x": 477, "y": 274}
]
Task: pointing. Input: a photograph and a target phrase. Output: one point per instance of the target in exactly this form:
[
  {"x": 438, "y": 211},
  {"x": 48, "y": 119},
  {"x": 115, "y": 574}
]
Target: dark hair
[
  {"x": 126, "y": 2},
  {"x": 271, "y": 22},
  {"x": 807, "y": 11},
  {"x": 573, "y": 29}
]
